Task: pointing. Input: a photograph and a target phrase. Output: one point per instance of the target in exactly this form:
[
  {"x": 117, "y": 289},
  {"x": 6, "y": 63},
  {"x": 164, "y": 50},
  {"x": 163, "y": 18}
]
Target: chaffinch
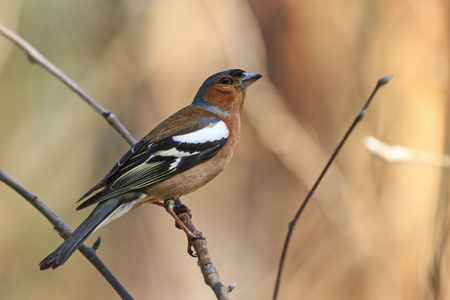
[{"x": 178, "y": 156}]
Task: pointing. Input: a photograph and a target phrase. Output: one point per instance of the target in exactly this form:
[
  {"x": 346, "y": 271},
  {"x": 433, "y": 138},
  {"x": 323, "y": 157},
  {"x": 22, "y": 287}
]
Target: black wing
[{"x": 146, "y": 163}]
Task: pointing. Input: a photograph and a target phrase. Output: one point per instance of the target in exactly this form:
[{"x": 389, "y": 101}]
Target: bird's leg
[
  {"x": 159, "y": 203},
  {"x": 175, "y": 208},
  {"x": 179, "y": 209},
  {"x": 169, "y": 206}
]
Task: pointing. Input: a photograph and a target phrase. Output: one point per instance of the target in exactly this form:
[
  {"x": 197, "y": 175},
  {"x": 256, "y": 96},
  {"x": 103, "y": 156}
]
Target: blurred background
[{"x": 374, "y": 229}]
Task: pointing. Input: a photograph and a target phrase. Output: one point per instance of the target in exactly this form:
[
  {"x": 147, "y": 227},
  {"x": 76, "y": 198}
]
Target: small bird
[{"x": 180, "y": 155}]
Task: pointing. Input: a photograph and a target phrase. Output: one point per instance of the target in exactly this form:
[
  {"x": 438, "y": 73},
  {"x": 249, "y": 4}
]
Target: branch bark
[
  {"x": 64, "y": 231},
  {"x": 207, "y": 268}
]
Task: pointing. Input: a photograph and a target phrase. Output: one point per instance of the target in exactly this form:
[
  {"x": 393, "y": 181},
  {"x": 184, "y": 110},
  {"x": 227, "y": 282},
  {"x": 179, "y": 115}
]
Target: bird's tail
[{"x": 104, "y": 212}]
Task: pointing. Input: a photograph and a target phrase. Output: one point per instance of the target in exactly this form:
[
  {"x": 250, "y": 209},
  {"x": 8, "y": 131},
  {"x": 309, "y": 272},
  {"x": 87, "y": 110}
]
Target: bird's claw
[
  {"x": 194, "y": 236},
  {"x": 189, "y": 249}
]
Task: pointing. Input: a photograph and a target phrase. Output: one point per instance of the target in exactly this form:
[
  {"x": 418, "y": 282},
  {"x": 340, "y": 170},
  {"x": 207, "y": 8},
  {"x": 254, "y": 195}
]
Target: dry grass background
[{"x": 371, "y": 232}]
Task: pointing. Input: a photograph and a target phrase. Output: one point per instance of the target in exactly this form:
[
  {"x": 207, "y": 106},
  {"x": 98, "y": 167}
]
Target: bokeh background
[{"x": 374, "y": 229}]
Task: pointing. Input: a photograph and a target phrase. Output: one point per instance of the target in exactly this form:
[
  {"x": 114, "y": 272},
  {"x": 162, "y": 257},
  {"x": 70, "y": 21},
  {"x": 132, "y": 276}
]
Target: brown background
[{"x": 371, "y": 232}]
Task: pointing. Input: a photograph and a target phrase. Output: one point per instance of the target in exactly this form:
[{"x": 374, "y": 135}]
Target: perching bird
[{"x": 178, "y": 156}]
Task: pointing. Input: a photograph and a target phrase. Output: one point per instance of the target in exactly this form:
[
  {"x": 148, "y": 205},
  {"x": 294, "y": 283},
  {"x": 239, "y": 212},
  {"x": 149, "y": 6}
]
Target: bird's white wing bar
[{"x": 214, "y": 132}]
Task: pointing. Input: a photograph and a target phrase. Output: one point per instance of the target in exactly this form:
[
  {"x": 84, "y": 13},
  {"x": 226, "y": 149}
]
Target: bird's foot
[{"x": 170, "y": 208}]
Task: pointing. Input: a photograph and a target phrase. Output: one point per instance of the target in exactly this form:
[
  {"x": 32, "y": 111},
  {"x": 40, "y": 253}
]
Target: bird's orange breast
[{"x": 196, "y": 177}]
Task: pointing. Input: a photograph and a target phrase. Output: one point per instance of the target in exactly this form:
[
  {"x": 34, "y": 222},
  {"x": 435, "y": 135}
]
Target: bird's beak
[{"x": 249, "y": 78}]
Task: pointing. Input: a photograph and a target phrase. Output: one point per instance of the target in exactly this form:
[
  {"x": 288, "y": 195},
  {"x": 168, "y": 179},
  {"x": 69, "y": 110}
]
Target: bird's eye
[{"x": 225, "y": 80}]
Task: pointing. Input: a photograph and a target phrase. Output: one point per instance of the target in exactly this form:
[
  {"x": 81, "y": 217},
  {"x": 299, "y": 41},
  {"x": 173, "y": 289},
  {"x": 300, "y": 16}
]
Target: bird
[{"x": 180, "y": 155}]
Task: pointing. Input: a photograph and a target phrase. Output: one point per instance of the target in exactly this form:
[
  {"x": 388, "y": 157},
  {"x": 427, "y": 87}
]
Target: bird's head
[{"x": 224, "y": 92}]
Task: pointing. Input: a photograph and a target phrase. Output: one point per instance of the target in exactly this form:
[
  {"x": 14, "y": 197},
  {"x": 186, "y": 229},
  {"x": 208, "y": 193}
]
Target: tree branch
[
  {"x": 64, "y": 231},
  {"x": 207, "y": 268},
  {"x": 35, "y": 56},
  {"x": 382, "y": 81}
]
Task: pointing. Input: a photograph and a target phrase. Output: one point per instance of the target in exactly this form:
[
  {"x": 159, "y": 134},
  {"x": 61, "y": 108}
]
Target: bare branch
[
  {"x": 36, "y": 57},
  {"x": 64, "y": 231},
  {"x": 382, "y": 81}
]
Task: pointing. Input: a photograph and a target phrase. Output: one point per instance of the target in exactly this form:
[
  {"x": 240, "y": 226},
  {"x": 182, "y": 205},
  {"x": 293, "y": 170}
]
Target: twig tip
[
  {"x": 385, "y": 79},
  {"x": 231, "y": 287}
]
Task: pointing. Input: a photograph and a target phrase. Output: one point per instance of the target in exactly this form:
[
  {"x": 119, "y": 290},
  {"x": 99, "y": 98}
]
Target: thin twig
[
  {"x": 36, "y": 57},
  {"x": 64, "y": 231},
  {"x": 382, "y": 81},
  {"x": 204, "y": 260}
]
